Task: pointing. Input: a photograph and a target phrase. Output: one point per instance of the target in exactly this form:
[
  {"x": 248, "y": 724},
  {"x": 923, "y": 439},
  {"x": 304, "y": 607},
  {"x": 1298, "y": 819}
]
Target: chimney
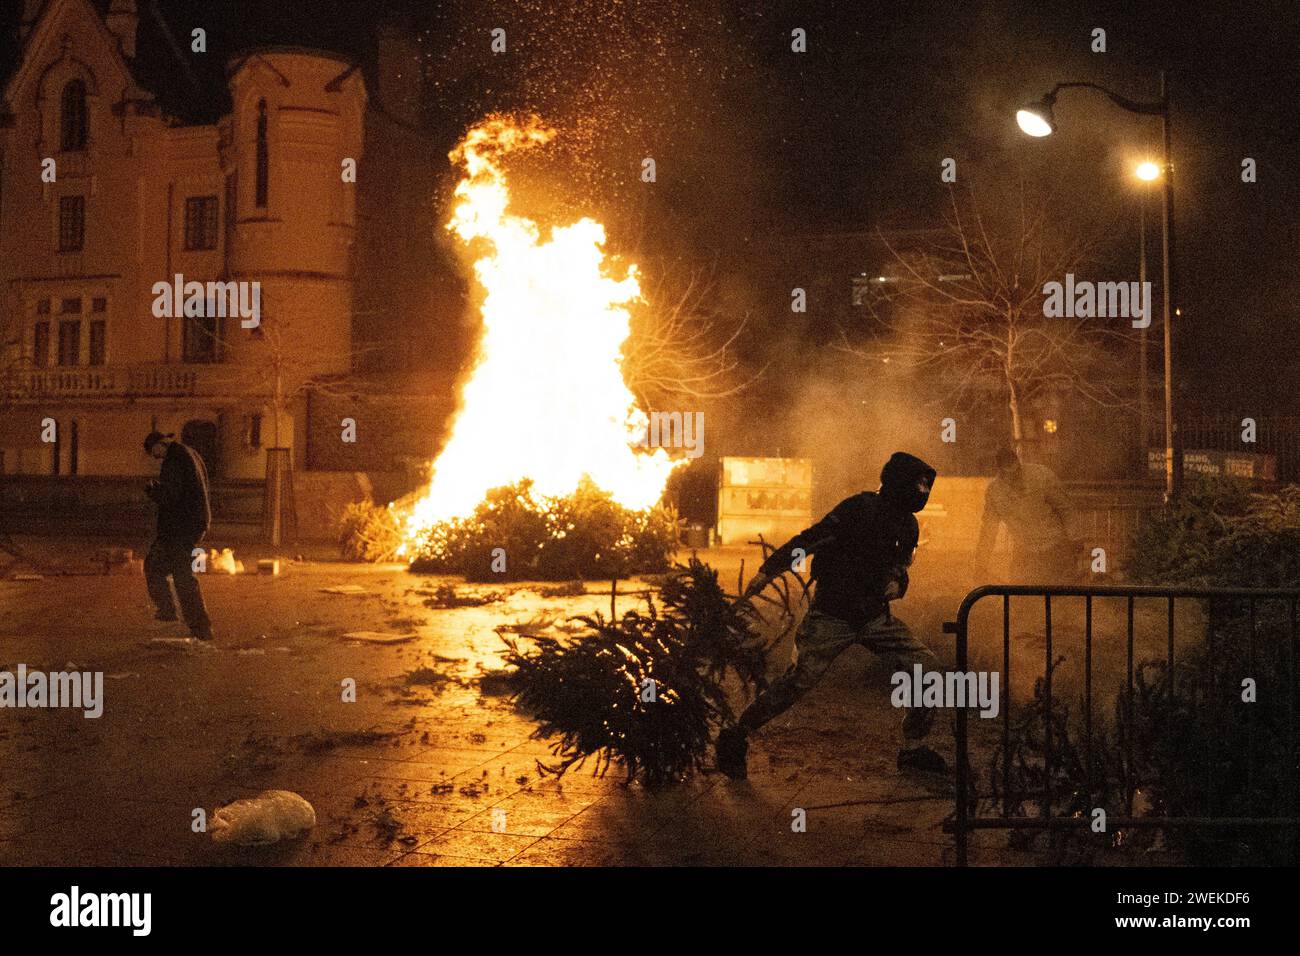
[
  {"x": 122, "y": 22},
  {"x": 31, "y": 13}
]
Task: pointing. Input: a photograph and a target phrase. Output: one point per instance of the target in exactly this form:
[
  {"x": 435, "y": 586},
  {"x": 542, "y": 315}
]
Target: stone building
[{"x": 108, "y": 189}]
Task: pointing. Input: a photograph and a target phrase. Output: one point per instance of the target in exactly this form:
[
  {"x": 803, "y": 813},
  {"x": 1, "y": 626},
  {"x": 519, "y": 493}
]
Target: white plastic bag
[
  {"x": 224, "y": 560},
  {"x": 269, "y": 817}
]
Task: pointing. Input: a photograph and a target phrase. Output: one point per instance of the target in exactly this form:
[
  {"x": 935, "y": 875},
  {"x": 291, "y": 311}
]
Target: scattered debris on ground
[
  {"x": 180, "y": 643},
  {"x": 445, "y": 596},
  {"x": 543, "y": 625},
  {"x": 407, "y": 687},
  {"x": 404, "y": 623},
  {"x": 258, "y": 754},
  {"x": 427, "y": 677},
  {"x": 572, "y": 589},
  {"x": 537, "y": 624},
  {"x": 379, "y": 816},
  {"x": 386, "y": 825},
  {"x": 323, "y": 741},
  {"x": 378, "y": 637}
]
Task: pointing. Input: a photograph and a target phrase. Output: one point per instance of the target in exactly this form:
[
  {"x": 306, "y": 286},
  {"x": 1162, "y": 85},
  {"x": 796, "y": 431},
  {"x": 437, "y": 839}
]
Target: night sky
[{"x": 754, "y": 141}]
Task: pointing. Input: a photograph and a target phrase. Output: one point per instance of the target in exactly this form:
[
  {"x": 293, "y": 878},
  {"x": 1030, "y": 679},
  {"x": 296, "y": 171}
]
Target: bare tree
[
  {"x": 967, "y": 308},
  {"x": 13, "y": 366},
  {"x": 283, "y": 362},
  {"x": 686, "y": 331},
  {"x": 683, "y": 341}
]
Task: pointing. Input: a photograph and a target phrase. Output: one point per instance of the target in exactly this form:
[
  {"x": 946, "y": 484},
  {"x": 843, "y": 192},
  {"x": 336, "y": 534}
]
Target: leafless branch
[{"x": 967, "y": 309}]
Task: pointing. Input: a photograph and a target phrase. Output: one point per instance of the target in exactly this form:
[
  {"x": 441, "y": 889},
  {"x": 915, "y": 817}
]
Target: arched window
[
  {"x": 263, "y": 158},
  {"x": 73, "y": 116}
]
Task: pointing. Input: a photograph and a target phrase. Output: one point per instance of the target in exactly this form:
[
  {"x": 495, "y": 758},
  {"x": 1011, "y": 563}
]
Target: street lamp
[
  {"x": 1146, "y": 173},
  {"x": 1036, "y": 119}
]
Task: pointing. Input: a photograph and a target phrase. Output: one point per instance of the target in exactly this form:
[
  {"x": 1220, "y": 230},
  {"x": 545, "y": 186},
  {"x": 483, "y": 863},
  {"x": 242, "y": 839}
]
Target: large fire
[{"x": 546, "y": 399}]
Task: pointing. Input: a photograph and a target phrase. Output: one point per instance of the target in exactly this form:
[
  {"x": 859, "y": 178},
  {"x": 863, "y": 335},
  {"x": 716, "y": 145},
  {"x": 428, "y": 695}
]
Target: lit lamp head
[
  {"x": 1035, "y": 119},
  {"x": 1147, "y": 172}
]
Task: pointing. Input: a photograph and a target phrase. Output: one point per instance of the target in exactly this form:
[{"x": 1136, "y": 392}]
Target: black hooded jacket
[
  {"x": 184, "y": 512},
  {"x": 862, "y": 545}
]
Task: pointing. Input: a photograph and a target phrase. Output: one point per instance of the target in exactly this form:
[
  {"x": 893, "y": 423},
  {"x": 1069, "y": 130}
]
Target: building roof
[
  {"x": 10, "y": 14},
  {"x": 191, "y": 87}
]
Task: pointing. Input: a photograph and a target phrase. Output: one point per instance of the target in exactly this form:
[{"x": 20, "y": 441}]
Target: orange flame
[{"x": 547, "y": 399}]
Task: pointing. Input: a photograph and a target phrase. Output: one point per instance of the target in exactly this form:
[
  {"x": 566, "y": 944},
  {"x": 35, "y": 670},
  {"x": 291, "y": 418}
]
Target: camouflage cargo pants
[{"x": 822, "y": 638}]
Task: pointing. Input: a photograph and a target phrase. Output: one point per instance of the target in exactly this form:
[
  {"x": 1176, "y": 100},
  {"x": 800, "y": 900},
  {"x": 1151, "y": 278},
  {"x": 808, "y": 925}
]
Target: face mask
[
  {"x": 910, "y": 497},
  {"x": 917, "y": 498}
]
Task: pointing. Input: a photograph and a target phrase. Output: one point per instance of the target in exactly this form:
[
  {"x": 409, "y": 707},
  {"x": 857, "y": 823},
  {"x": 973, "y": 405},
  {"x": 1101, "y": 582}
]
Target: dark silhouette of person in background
[
  {"x": 184, "y": 515},
  {"x": 1030, "y": 501}
]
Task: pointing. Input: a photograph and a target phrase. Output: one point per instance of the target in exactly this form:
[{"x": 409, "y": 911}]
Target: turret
[
  {"x": 297, "y": 118},
  {"x": 123, "y": 21},
  {"x": 31, "y": 13}
]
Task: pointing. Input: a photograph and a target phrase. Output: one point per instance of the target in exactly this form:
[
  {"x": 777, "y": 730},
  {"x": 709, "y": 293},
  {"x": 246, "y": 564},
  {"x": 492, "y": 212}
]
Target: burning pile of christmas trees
[{"x": 517, "y": 534}]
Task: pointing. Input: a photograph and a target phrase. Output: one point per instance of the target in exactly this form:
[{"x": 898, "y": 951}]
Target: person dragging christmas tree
[{"x": 860, "y": 555}]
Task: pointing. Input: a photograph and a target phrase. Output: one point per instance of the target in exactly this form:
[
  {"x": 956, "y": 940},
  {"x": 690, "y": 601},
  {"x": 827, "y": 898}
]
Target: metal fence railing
[
  {"x": 1276, "y": 435},
  {"x": 967, "y": 820}
]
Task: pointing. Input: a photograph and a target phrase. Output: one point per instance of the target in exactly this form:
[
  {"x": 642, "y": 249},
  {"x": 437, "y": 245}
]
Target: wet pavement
[{"x": 430, "y": 766}]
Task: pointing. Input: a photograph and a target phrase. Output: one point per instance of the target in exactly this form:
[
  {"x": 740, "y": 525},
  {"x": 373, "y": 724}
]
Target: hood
[{"x": 899, "y": 477}]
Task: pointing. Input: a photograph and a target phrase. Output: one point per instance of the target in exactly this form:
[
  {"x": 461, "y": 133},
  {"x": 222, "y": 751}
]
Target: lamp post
[
  {"x": 1036, "y": 120},
  {"x": 1145, "y": 173}
]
